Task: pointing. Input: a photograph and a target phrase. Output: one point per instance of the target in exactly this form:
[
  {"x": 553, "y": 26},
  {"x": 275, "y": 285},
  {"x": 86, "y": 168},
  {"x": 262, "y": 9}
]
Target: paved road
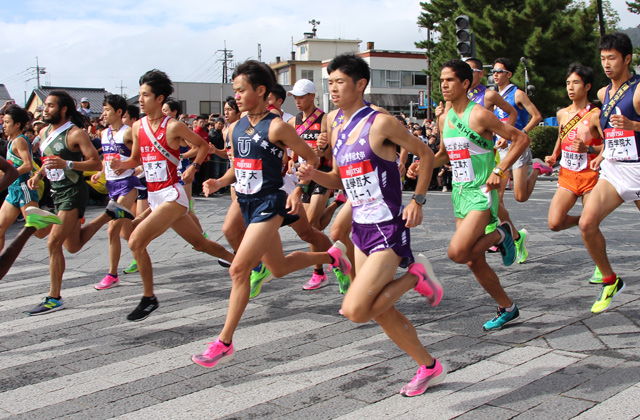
[{"x": 297, "y": 358}]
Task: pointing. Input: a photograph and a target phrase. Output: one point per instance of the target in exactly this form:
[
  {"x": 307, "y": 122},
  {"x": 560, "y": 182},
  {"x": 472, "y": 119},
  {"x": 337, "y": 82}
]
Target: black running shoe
[{"x": 146, "y": 306}]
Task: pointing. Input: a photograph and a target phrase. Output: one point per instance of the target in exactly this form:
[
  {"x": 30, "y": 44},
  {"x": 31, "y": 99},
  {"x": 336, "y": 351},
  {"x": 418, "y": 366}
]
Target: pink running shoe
[
  {"x": 339, "y": 253},
  {"x": 341, "y": 198},
  {"x": 216, "y": 353},
  {"x": 317, "y": 281},
  {"x": 544, "y": 169},
  {"x": 423, "y": 379},
  {"x": 107, "y": 282},
  {"x": 428, "y": 284}
]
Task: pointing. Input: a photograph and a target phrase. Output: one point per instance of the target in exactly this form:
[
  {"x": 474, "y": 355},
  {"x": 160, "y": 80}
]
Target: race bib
[
  {"x": 248, "y": 175},
  {"x": 361, "y": 183},
  {"x": 572, "y": 160},
  {"x": 620, "y": 144},
  {"x": 461, "y": 166},
  {"x": 53, "y": 174},
  {"x": 109, "y": 173},
  {"x": 156, "y": 171}
]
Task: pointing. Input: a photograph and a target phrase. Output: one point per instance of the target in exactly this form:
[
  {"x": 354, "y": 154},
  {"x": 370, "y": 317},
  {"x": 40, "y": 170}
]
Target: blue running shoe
[
  {"x": 507, "y": 247},
  {"x": 48, "y": 305},
  {"x": 501, "y": 318}
]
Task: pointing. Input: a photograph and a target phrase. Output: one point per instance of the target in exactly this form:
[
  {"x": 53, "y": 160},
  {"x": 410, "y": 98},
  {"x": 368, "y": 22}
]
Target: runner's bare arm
[
  {"x": 487, "y": 122},
  {"x": 78, "y": 140},
  {"x": 134, "y": 160},
  {"x": 176, "y": 131},
  {"x": 523, "y": 100},
  {"x": 10, "y": 174},
  {"x": 286, "y": 135},
  {"x": 622, "y": 121},
  {"x": 22, "y": 147},
  {"x": 396, "y": 133}
]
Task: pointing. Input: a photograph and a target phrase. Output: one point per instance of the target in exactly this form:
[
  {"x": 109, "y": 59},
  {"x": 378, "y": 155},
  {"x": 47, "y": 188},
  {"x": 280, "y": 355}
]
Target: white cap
[
  {"x": 85, "y": 99},
  {"x": 302, "y": 87}
]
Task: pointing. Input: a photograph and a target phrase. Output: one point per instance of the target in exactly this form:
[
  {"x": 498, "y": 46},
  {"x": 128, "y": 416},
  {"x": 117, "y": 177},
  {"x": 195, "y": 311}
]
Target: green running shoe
[
  {"x": 343, "y": 280},
  {"x": 607, "y": 294},
  {"x": 521, "y": 248},
  {"x": 133, "y": 268},
  {"x": 38, "y": 218},
  {"x": 258, "y": 278},
  {"x": 597, "y": 277}
]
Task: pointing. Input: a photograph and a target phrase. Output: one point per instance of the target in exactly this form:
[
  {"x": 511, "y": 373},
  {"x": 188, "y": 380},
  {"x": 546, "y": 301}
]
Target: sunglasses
[
  {"x": 499, "y": 71},
  {"x": 477, "y": 70}
]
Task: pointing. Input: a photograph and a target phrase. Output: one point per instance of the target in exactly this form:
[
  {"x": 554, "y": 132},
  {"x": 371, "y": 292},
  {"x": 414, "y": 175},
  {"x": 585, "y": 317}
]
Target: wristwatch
[
  {"x": 419, "y": 198},
  {"x": 196, "y": 165},
  {"x": 70, "y": 164},
  {"x": 499, "y": 172},
  {"x": 591, "y": 150}
]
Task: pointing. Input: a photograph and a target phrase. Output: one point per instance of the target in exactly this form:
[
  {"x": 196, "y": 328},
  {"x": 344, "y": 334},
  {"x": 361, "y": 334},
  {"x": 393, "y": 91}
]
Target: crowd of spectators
[{"x": 428, "y": 133}]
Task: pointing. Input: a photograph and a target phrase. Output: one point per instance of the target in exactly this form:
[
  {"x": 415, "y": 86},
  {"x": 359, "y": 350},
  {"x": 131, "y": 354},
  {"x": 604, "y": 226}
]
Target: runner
[
  {"x": 523, "y": 183},
  {"x": 579, "y": 142},
  {"x": 490, "y": 99},
  {"x": 67, "y": 152},
  {"x": 156, "y": 141},
  {"x": 309, "y": 123},
  {"x": 467, "y": 131},
  {"x": 619, "y": 160},
  {"x": 260, "y": 140},
  {"x": 142, "y": 203},
  {"x": 122, "y": 186},
  {"x": 365, "y": 164},
  {"x": 19, "y": 196},
  {"x": 35, "y": 219}
]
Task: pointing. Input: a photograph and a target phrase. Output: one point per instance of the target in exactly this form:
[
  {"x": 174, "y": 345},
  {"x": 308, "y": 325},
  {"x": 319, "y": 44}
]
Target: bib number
[
  {"x": 53, "y": 174},
  {"x": 248, "y": 175},
  {"x": 156, "y": 171},
  {"x": 461, "y": 166},
  {"x": 620, "y": 144},
  {"x": 361, "y": 183}
]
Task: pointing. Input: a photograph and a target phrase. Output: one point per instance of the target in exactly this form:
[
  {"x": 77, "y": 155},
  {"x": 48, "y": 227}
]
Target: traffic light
[{"x": 463, "y": 36}]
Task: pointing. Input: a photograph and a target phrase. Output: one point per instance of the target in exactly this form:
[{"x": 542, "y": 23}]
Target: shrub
[{"x": 543, "y": 139}]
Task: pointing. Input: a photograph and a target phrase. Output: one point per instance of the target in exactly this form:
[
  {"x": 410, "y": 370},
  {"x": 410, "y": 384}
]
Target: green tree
[
  {"x": 634, "y": 6},
  {"x": 551, "y": 34}
]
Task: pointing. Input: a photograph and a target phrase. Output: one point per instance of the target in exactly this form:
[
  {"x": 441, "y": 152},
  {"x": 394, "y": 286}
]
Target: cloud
[{"x": 96, "y": 44}]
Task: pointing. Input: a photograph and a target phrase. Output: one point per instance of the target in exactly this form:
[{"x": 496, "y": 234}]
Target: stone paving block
[
  {"x": 624, "y": 405},
  {"x": 52, "y": 411},
  {"x": 611, "y": 323},
  {"x": 264, "y": 410},
  {"x": 608, "y": 384},
  {"x": 622, "y": 341},
  {"x": 114, "y": 408},
  {"x": 519, "y": 355},
  {"x": 575, "y": 338},
  {"x": 558, "y": 408},
  {"x": 328, "y": 409},
  {"x": 488, "y": 412}
]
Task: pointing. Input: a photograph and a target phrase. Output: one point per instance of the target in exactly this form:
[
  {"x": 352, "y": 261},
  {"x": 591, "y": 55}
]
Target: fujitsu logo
[
  {"x": 353, "y": 171},
  {"x": 241, "y": 164}
]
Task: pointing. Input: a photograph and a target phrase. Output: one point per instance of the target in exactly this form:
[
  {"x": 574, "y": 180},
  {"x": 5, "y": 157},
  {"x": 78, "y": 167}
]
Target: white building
[
  {"x": 397, "y": 78},
  {"x": 311, "y": 52}
]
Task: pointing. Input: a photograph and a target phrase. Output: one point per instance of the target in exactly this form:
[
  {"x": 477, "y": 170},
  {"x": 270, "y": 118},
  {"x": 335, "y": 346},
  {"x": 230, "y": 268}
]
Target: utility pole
[
  {"x": 259, "y": 52},
  {"x": 227, "y": 55},
  {"x": 428, "y": 78},
  {"x": 38, "y": 70},
  {"x": 121, "y": 88}
]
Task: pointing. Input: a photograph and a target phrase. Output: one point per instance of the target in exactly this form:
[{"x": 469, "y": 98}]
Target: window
[
  {"x": 283, "y": 77},
  {"x": 398, "y": 78},
  {"x": 420, "y": 79},
  {"x": 209, "y": 107},
  {"x": 183, "y": 107},
  {"x": 393, "y": 78},
  {"x": 307, "y": 74},
  {"x": 377, "y": 78}
]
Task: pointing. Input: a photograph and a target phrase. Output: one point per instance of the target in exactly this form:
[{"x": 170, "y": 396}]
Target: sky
[{"x": 111, "y": 44}]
